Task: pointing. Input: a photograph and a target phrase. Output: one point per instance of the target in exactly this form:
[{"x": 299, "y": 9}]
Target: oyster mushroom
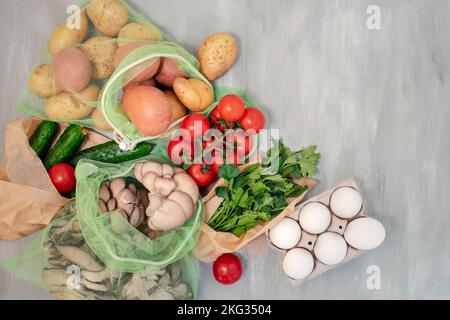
[
  {"x": 80, "y": 257},
  {"x": 126, "y": 200},
  {"x": 168, "y": 216},
  {"x": 104, "y": 193},
  {"x": 116, "y": 186},
  {"x": 111, "y": 205}
]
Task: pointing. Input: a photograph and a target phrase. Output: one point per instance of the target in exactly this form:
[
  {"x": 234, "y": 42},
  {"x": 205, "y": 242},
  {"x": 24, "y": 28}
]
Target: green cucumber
[
  {"x": 66, "y": 146},
  {"x": 43, "y": 136},
  {"x": 110, "y": 152}
]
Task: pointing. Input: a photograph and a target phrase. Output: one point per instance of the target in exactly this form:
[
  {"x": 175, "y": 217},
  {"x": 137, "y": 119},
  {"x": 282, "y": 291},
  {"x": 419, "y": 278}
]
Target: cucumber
[
  {"x": 110, "y": 152},
  {"x": 66, "y": 146},
  {"x": 42, "y": 138}
]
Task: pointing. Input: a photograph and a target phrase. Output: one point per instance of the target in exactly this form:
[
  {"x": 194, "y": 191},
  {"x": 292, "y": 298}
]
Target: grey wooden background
[{"x": 376, "y": 102}]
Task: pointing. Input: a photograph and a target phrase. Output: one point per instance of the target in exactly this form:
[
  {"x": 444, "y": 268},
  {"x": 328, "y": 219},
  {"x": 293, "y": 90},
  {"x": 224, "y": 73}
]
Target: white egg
[
  {"x": 286, "y": 234},
  {"x": 314, "y": 217},
  {"x": 346, "y": 202},
  {"x": 330, "y": 248},
  {"x": 364, "y": 233},
  {"x": 298, "y": 263}
]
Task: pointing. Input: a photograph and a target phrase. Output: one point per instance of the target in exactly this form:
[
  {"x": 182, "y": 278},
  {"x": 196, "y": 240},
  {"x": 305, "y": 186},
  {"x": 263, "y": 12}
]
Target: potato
[
  {"x": 66, "y": 106},
  {"x": 64, "y": 37},
  {"x": 217, "y": 54},
  {"x": 108, "y": 16},
  {"x": 72, "y": 69},
  {"x": 100, "y": 52},
  {"x": 150, "y": 68},
  {"x": 178, "y": 110},
  {"x": 42, "y": 82},
  {"x": 149, "y": 82},
  {"x": 148, "y": 109},
  {"x": 195, "y": 94},
  {"x": 99, "y": 120},
  {"x": 169, "y": 71},
  {"x": 136, "y": 31}
]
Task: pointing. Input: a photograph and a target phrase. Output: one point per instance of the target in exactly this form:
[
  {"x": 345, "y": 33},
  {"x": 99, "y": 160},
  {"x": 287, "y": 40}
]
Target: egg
[
  {"x": 346, "y": 202},
  {"x": 364, "y": 233},
  {"x": 286, "y": 234},
  {"x": 298, "y": 263},
  {"x": 330, "y": 248},
  {"x": 314, "y": 217}
]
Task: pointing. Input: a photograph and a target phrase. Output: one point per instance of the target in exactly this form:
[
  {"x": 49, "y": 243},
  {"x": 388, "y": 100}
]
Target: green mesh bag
[
  {"x": 61, "y": 263},
  {"x": 34, "y": 105},
  {"x": 112, "y": 238}
]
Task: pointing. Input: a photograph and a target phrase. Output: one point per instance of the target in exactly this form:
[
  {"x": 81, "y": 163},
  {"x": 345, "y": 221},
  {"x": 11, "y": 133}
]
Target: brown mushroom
[
  {"x": 126, "y": 200},
  {"x": 116, "y": 186}
]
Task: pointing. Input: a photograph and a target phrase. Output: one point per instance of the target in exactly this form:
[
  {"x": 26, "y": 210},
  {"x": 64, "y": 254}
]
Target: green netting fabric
[
  {"x": 113, "y": 239},
  {"x": 61, "y": 262},
  {"x": 33, "y": 105}
]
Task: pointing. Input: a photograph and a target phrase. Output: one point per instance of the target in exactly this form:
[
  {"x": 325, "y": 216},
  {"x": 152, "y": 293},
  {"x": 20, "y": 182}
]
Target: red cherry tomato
[
  {"x": 195, "y": 124},
  {"x": 253, "y": 119},
  {"x": 217, "y": 162},
  {"x": 215, "y": 114},
  {"x": 63, "y": 177},
  {"x": 227, "y": 269},
  {"x": 202, "y": 174},
  {"x": 231, "y": 108},
  {"x": 180, "y": 151}
]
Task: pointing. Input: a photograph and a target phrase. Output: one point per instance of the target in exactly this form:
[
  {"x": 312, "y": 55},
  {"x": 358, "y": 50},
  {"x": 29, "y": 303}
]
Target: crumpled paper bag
[
  {"x": 28, "y": 199},
  {"x": 213, "y": 244}
]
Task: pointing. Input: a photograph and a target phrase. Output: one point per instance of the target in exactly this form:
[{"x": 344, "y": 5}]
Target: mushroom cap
[
  {"x": 127, "y": 200},
  {"x": 164, "y": 186},
  {"x": 185, "y": 201},
  {"x": 168, "y": 216},
  {"x": 117, "y": 185},
  {"x": 153, "y": 167},
  {"x": 186, "y": 184}
]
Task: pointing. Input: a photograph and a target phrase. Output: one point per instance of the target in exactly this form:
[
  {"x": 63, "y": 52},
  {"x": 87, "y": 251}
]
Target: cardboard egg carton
[{"x": 337, "y": 225}]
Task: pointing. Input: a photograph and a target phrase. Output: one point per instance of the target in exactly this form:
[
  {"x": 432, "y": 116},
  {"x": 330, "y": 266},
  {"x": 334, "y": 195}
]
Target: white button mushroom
[
  {"x": 298, "y": 263},
  {"x": 346, "y": 202},
  {"x": 315, "y": 217},
  {"x": 286, "y": 234},
  {"x": 330, "y": 248},
  {"x": 364, "y": 233}
]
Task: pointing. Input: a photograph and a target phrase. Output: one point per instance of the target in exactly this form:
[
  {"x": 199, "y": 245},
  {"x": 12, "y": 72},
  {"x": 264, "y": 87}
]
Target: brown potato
[
  {"x": 100, "y": 51},
  {"x": 178, "y": 110},
  {"x": 195, "y": 94},
  {"x": 108, "y": 16},
  {"x": 217, "y": 54},
  {"x": 42, "y": 82},
  {"x": 67, "y": 106},
  {"x": 136, "y": 32},
  {"x": 63, "y": 37},
  {"x": 99, "y": 120}
]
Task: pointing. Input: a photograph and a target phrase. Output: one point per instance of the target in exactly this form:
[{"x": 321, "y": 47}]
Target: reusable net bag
[
  {"x": 113, "y": 239},
  {"x": 137, "y": 61},
  {"x": 61, "y": 262},
  {"x": 86, "y": 100}
]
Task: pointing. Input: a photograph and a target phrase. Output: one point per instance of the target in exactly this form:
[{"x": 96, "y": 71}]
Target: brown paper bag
[
  {"x": 213, "y": 244},
  {"x": 28, "y": 199}
]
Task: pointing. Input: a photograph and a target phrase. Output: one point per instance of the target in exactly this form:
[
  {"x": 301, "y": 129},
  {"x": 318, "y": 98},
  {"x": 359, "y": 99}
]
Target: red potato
[
  {"x": 147, "y": 73},
  {"x": 148, "y": 109},
  {"x": 72, "y": 69},
  {"x": 169, "y": 71},
  {"x": 149, "y": 82}
]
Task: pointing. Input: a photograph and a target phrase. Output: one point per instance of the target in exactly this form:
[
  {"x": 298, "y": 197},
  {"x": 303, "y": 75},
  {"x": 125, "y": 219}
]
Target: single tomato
[
  {"x": 215, "y": 114},
  {"x": 242, "y": 143},
  {"x": 180, "y": 151},
  {"x": 227, "y": 269},
  {"x": 202, "y": 174},
  {"x": 253, "y": 119},
  {"x": 62, "y": 176},
  {"x": 231, "y": 108},
  {"x": 196, "y": 125}
]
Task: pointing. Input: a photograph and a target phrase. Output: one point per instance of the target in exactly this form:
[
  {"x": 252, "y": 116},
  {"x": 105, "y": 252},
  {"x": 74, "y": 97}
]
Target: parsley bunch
[{"x": 260, "y": 192}]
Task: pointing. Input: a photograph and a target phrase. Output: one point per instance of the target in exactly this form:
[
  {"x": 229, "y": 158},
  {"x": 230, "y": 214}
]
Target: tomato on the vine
[
  {"x": 202, "y": 174},
  {"x": 231, "y": 108},
  {"x": 227, "y": 269},
  {"x": 62, "y": 176},
  {"x": 180, "y": 151},
  {"x": 196, "y": 124},
  {"x": 253, "y": 119},
  {"x": 242, "y": 143}
]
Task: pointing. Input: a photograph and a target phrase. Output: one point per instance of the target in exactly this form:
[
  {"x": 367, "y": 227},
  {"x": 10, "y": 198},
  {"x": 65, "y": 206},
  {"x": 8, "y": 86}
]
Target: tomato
[
  {"x": 231, "y": 108},
  {"x": 202, "y": 174},
  {"x": 215, "y": 114},
  {"x": 253, "y": 119},
  {"x": 180, "y": 151},
  {"x": 242, "y": 143},
  {"x": 227, "y": 269},
  {"x": 62, "y": 176},
  {"x": 217, "y": 162},
  {"x": 195, "y": 124}
]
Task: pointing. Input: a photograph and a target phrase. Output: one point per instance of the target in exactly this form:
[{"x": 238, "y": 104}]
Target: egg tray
[{"x": 337, "y": 225}]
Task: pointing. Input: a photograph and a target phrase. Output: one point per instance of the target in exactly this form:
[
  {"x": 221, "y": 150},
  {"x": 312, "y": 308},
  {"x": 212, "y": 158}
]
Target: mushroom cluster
[
  {"x": 116, "y": 195},
  {"x": 172, "y": 198}
]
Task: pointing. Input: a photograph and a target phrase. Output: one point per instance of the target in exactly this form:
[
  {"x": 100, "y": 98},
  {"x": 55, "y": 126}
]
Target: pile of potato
[{"x": 70, "y": 82}]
